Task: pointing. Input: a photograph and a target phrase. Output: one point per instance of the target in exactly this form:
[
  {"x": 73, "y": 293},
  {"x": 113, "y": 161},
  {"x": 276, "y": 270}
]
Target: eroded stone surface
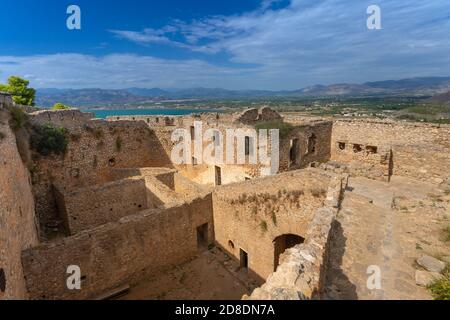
[
  {"x": 431, "y": 264},
  {"x": 139, "y": 215},
  {"x": 425, "y": 278}
]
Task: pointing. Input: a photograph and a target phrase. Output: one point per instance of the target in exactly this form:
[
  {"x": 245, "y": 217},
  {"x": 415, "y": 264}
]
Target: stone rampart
[
  {"x": 252, "y": 214},
  {"x": 117, "y": 253},
  {"x": 18, "y": 225},
  {"x": 300, "y": 274}
]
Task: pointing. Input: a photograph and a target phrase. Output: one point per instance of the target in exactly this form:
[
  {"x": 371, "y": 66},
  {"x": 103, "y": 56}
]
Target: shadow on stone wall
[{"x": 335, "y": 283}]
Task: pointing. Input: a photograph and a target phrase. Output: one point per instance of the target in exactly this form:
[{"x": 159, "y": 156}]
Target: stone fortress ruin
[{"x": 349, "y": 194}]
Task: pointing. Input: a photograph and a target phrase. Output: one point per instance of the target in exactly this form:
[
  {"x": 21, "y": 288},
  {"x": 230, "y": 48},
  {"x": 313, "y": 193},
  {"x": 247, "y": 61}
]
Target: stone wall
[
  {"x": 158, "y": 193},
  {"x": 159, "y": 184},
  {"x": 151, "y": 120},
  {"x": 5, "y": 99},
  {"x": 95, "y": 148},
  {"x": 318, "y": 134},
  {"x": 250, "y": 215},
  {"x": 161, "y": 121},
  {"x": 164, "y": 175},
  {"x": 18, "y": 228},
  {"x": 384, "y": 132},
  {"x": 71, "y": 119},
  {"x": 428, "y": 164},
  {"x": 118, "y": 253},
  {"x": 253, "y": 115},
  {"x": 205, "y": 173},
  {"x": 301, "y": 272},
  {"x": 372, "y": 161},
  {"x": 418, "y": 150},
  {"x": 187, "y": 188},
  {"x": 93, "y": 206}
]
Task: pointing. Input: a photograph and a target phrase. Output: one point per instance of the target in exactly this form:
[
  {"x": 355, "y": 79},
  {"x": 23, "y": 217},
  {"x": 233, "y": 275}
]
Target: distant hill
[
  {"x": 338, "y": 90},
  {"x": 85, "y": 97},
  {"x": 443, "y": 98},
  {"x": 425, "y": 86},
  {"x": 428, "y": 86},
  {"x": 153, "y": 92}
]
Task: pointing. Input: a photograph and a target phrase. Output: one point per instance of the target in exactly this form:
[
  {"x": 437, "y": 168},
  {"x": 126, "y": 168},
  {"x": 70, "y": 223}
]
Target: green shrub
[
  {"x": 19, "y": 118},
  {"x": 18, "y": 87},
  {"x": 440, "y": 289},
  {"x": 48, "y": 139},
  {"x": 274, "y": 218},
  {"x": 263, "y": 226},
  {"x": 284, "y": 128},
  {"x": 447, "y": 234},
  {"x": 60, "y": 106}
]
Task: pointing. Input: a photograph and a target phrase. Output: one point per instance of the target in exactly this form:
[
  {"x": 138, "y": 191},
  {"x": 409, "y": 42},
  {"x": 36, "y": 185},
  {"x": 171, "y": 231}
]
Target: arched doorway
[{"x": 282, "y": 243}]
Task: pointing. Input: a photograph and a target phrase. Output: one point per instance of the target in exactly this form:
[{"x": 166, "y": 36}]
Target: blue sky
[{"x": 234, "y": 44}]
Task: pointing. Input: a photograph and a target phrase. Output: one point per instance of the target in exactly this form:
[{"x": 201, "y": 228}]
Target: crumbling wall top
[
  {"x": 298, "y": 277},
  {"x": 253, "y": 115},
  {"x": 65, "y": 118},
  {"x": 5, "y": 99}
]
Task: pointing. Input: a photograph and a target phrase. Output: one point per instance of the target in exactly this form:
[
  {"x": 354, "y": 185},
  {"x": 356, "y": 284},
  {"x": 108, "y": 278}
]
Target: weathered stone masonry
[
  {"x": 251, "y": 215},
  {"x": 122, "y": 252},
  {"x": 18, "y": 224},
  {"x": 301, "y": 273},
  {"x": 95, "y": 149},
  {"x": 111, "y": 202},
  {"x": 129, "y": 213},
  {"x": 420, "y": 151}
]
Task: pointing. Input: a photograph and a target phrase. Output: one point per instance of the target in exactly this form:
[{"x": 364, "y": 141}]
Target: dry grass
[
  {"x": 440, "y": 289},
  {"x": 263, "y": 226},
  {"x": 318, "y": 193},
  {"x": 118, "y": 144},
  {"x": 284, "y": 128},
  {"x": 19, "y": 118},
  {"x": 274, "y": 218},
  {"x": 446, "y": 234}
]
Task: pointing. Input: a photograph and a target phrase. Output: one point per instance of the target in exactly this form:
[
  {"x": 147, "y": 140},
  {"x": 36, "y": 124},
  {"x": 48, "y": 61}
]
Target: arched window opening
[{"x": 282, "y": 243}]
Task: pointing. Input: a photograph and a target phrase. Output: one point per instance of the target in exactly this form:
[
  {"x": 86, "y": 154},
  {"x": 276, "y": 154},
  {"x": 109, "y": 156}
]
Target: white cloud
[
  {"x": 306, "y": 42},
  {"x": 113, "y": 71},
  {"x": 310, "y": 37}
]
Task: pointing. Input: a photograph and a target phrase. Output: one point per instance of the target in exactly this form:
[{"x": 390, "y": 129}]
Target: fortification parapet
[
  {"x": 5, "y": 99},
  {"x": 69, "y": 119}
]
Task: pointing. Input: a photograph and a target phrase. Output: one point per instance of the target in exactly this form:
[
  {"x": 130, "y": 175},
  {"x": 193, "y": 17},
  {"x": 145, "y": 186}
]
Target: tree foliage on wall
[
  {"x": 19, "y": 90},
  {"x": 283, "y": 127},
  {"x": 19, "y": 118},
  {"x": 60, "y": 106},
  {"x": 48, "y": 139}
]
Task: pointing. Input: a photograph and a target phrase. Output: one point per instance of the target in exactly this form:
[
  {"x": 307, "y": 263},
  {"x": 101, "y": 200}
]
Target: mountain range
[{"x": 425, "y": 86}]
